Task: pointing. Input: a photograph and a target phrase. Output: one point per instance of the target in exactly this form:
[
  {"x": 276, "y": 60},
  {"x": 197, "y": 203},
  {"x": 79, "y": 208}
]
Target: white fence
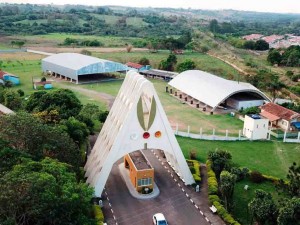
[
  {"x": 212, "y": 136},
  {"x": 291, "y": 140}
]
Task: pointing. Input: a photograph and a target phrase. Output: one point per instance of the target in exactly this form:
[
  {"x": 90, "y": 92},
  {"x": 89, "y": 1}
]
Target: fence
[
  {"x": 291, "y": 140},
  {"x": 212, "y": 136}
]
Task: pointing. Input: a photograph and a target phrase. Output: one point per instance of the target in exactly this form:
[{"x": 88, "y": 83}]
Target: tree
[
  {"x": 249, "y": 45},
  {"x": 169, "y": 63},
  {"x": 274, "y": 85},
  {"x": 186, "y": 65},
  {"x": 263, "y": 208},
  {"x": 219, "y": 159},
  {"x": 274, "y": 56},
  {"x": 25, "y": 132},
  {"x": 290, "y": 212},
  {"x": 227, "y": 182},
  {"x": 44, "y": 192},
  {"x": 12, "y": 99},
  {"x": 294, "y": 180},
  {"x": 261, "y": 45},
  {"x": 144, "y": 61},
  {"x": 62, "y": 100},
  {"x": 20, "y": 44},
  {"x": 214, "y": 26},
  {"x": 77, "y": 130}
]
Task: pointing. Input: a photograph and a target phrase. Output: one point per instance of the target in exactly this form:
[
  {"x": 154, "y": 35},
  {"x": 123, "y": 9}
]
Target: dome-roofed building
[
  {"x": 212, "y": 92},
  {"x": 74, "y": 66}
]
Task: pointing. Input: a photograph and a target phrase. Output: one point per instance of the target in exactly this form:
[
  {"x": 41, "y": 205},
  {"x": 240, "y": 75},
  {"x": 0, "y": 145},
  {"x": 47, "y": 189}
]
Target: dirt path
[{"x": 108, "y": 99}]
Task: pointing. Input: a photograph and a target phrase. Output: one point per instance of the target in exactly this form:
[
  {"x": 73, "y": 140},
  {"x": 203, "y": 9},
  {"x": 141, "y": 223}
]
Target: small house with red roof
[
  {"x": 137, "y": 67},
  {"x": 279, "y": 116},
  {"x": 4, "y": 76}
]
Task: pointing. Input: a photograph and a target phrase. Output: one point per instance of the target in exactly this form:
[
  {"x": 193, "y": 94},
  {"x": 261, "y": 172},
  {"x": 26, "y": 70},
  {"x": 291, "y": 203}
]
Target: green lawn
[
  {"x": 242, "y": 198},
  {"x": 54, "y": 39},
  {"x": 269, "y": 157}
]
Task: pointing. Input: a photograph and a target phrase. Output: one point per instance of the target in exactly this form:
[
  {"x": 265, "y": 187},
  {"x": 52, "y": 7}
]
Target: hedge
[
  {"x": 195, "y": 170},
  {"x": 214, "y": 198},
  {"x": 98, "y": 214}
]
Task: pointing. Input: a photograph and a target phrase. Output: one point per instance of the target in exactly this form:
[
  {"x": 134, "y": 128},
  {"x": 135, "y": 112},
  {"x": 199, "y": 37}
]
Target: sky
[{"x": 281, "y": 6}]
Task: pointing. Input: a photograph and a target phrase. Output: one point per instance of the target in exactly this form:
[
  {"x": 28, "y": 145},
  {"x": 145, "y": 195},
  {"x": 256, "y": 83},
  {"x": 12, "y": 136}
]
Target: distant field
[
  {"x": 55, "y": 39},
  {"x": 203, "y": 61}
]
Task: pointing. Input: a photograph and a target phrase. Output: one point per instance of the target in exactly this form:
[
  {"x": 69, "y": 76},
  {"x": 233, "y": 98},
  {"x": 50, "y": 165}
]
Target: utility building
[
  {"x": 74, "y": 66},
  {"x": 140, "y": 170},
  {"x": 255, "y": 127}
]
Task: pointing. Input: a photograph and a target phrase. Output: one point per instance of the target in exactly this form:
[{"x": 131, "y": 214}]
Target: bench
[{"x": 213, "y": 209}]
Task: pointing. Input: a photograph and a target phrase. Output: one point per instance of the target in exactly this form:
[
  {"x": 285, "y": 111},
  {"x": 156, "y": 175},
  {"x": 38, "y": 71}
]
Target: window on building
[{"x": 144, "y": 181}]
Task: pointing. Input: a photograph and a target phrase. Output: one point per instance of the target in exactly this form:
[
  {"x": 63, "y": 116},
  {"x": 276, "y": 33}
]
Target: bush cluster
[
  {"x": 256, "y": 177},
  {"x": 211, "y": 179},
  {"x": 98, "y": 214},
  {"x": 194, "y": 166}
]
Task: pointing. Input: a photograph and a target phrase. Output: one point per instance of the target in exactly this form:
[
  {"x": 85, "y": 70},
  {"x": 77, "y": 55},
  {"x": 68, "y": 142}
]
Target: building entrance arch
[{"x": 135, "y": 121}]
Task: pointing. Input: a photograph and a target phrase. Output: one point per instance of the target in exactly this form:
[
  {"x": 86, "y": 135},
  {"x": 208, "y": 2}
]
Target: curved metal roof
[
  {"x": 74, "y": 64},
  {"x": 210, "y": 89}
]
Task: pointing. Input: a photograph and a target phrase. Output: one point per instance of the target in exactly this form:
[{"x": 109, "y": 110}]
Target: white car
[{"x": 159, "y": 219}]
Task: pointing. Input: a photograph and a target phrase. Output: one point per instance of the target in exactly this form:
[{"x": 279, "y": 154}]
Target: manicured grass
[
  {"x": 242, "y": 198},
  {"x": 269, "y": 157}
]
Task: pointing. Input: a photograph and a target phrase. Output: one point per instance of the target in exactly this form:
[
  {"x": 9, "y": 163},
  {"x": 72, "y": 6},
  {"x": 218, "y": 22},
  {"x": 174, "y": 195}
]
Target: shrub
[
  {"x": 21, "y": 92},
  {"x": 193, "y": 155},
  {"x": 256, "y": 177},
  {"x": 192, "y": 169},
  {"x": 98, "y": 214},
  {"x": 144, "y": 61},
  {"x": 240, "y": 173},
  {"x": 213, "y": 198}
]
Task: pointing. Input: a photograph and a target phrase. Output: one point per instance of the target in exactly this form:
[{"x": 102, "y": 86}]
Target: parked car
[{"x": 159, "y": 219}]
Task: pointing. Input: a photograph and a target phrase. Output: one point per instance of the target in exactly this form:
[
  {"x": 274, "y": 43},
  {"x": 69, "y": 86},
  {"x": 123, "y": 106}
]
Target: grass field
[
  {"x": 268, "y": 157},
  {"x": 55, "y": 39},
  {"x": 242, "y": 198}
]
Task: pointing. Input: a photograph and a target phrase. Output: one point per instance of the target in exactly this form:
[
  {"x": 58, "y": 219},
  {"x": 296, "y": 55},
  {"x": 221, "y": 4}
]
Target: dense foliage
[
  {"x": 289, "y": 56},
  {"x": 44, "y": 192}
]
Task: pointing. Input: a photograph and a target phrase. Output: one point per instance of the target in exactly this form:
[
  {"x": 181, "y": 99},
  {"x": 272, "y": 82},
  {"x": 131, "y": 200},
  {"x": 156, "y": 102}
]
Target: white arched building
[{"x": 213, "y": 91}]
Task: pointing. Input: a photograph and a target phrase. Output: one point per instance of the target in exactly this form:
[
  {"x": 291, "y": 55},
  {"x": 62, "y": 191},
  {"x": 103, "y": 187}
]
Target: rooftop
[
  {"x": 139, "y": 160},
  {"x": 161, "y": 73},
  {"x": 134, "y": 65},
  {"x": 278, "y": 112}
]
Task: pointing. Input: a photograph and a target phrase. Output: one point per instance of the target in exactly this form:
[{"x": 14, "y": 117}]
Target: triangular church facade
[{"x": 136, "y": 121}]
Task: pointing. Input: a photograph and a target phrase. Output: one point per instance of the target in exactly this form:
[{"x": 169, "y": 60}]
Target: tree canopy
[{"x": 44, "y": 192}]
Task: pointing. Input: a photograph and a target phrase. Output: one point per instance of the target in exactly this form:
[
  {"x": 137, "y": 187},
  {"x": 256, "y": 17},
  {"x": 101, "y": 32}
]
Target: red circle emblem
[{"x": 146, "y": 135}]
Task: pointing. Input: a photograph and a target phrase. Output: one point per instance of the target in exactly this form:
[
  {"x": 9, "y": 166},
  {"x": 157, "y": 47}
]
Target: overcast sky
[{"x": 283, "y": 6}]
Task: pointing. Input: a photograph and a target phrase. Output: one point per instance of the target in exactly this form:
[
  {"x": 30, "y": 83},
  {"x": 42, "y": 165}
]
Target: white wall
[
  {"x": 255, "y": 129},
  {"x": 237, "y": 104}
]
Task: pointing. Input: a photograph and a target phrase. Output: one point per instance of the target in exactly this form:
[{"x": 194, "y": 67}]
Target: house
[
  {"x": 4, "y": 76},
  {"x": 279, "y": 116},
  {"x": 252, "y": 37},
  {"x": 255, "y": 127},
  {"x": 137, "y": 67}
]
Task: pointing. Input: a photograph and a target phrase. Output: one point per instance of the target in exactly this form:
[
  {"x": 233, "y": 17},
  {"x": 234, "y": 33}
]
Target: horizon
[{"x": 267, "y": 6}]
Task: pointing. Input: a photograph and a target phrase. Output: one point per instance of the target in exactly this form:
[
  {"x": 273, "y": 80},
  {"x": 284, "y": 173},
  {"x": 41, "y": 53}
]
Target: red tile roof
[
  {"x": 2, "y": 74},
  {"x": 272, "y": 38},
  {"x": 252, "y": 37},
  {"x": 278, "y": 111},
  {"x": 134, "y": 65}
]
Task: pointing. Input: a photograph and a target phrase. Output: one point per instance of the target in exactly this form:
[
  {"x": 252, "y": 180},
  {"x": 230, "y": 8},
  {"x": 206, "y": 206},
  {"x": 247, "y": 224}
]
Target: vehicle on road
[{"x": 159, "y": 219}]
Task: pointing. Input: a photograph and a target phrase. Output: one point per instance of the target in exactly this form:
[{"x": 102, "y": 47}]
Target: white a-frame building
[{"x": 136, "y": 121}]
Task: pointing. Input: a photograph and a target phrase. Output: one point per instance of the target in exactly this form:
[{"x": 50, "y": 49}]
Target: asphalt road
[{"x": 172, "y": 202}]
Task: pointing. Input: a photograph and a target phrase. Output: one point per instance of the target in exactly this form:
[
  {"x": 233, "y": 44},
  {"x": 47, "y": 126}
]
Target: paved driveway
[{"x": 123, "y": 209}]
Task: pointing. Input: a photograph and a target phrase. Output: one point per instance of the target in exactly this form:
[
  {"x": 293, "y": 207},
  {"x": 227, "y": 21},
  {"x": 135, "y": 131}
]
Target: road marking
[
  {"x": 196, "y": 207},
  {"x": 182, "y": 190},
  {"x": 112, "y": 211},
  {"x": 178, "y": 184},
  {"x": 109, "y": 204},
  {"x": 201, "y": 212},
  {"x": 207, "y": 219},
  {"x": 187, "y": 195},
  {"x": 175, "y": 180}
]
